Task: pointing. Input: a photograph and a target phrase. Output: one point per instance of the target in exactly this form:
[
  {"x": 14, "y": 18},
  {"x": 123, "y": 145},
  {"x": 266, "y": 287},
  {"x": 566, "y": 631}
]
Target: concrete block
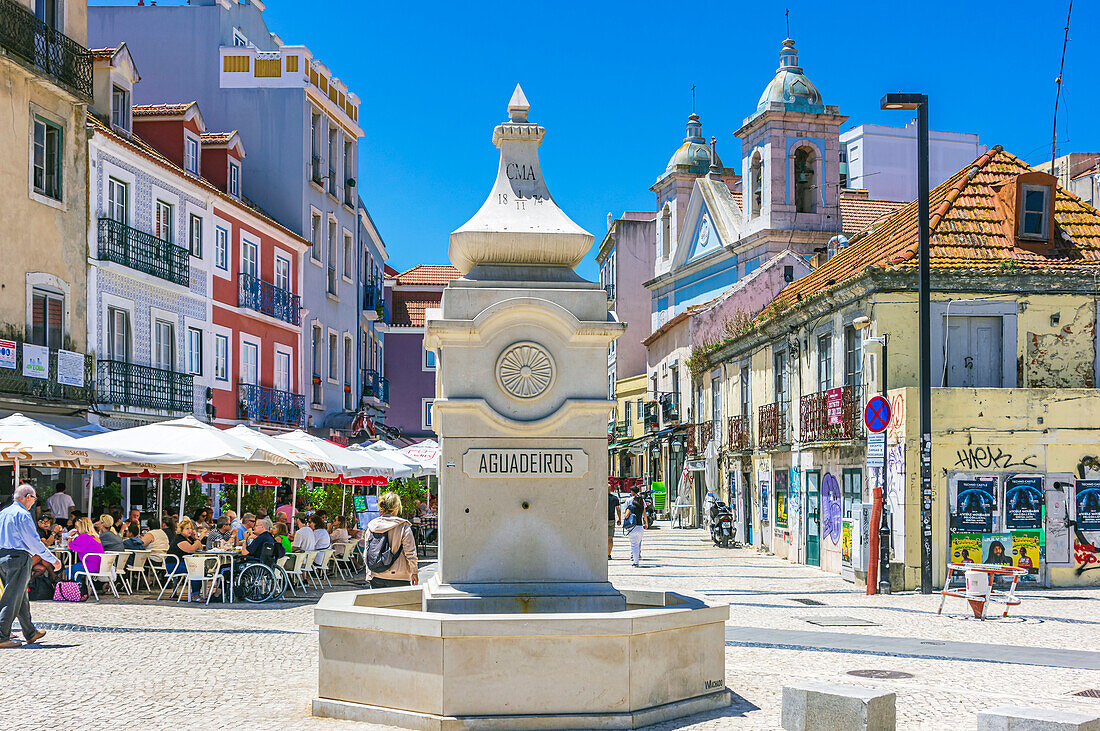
[
  {"x": 819, "y": 706},
  {"x": 1017, "y": 718}
]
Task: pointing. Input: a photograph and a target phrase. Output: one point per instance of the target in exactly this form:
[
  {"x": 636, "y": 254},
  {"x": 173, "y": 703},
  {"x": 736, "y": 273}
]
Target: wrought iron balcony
[
  {"x": 130, "y": 384},
  {"x": 740, "y": 438},
  {"x": 332, "y": 181},
  {"x": 13, "y": 382},
  {"x": 775, "y": 426},
  {"x": 690, "y": 442},
  {"x": 144, "y": 252},
  {"x": 833, "y": 415},
  {"x": 610, "y": 289},
  {"x": 376, "y": 387},
  {"x": 265, "y": 297},
  {"x": 260, "y": 404},
  {"x": 61, "y": 58},
  {"x": 623, "y": 429},
  {"x": 374, "y": 303},
  {"x": 651, "y": 416},
  {"x": 706, "y": 433},
  {"x": 670, "y": 407}
]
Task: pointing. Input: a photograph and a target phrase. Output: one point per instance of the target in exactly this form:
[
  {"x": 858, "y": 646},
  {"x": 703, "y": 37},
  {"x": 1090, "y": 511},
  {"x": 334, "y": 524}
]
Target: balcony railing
[
  {"x": 670, "y": 407},
  {"x": 129, "y": 384},
  {"x": 833, "y": 415},
  {"x": 332, "y": 181},
  {"x": 349, "y": 195},
  {"x": 740, "y": 438},
  {"x": 265, "y": 297},
  {"x": 144, "y": 252},
  {"x": 610, "y": 289},
  {"x": 623, "y": 429},
  {"x": 690, "y": 444},
  {"x": 270, "y": 405},
  {"x": 706, "y": 433},
  {"x": 58, "y": 56},
  {"x": 373, "y": 301},
  {"x": 376, "y": 387},
  {"x": 774, "y": 427},
  {"x": 14, "y": 383},
  {"x": 315, "y": 170}
]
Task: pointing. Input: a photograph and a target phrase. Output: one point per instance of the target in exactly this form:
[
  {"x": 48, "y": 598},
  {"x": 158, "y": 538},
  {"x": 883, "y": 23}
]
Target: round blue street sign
[{"x": 877, "y": 414}]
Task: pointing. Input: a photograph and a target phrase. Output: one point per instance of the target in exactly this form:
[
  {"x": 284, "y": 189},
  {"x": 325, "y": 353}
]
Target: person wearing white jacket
[{"x": 635, "y": 521}]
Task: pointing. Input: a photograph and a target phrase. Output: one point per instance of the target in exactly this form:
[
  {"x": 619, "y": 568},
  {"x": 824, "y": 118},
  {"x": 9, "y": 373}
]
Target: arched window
[
  {"x": 666, "y": 232},
  {"x": 805, "y": 185},
  {"x": 756, "y": 178}
]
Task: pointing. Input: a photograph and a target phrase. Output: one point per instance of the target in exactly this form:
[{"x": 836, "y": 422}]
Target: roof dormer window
[
  {"x": 191, "y": 154},
  {"x": 120, "y": 108},
  {"x": 1034, "y": 212},
  {"x": 239, "y": 39},
  {"x": 234, "y": 187}
]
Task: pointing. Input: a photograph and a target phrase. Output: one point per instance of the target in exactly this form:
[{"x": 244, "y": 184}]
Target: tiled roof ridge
[{"x": 161, "y": 108}]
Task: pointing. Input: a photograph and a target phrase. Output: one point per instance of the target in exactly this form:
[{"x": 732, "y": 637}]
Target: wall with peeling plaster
[{"x": 1059, "y": 342}]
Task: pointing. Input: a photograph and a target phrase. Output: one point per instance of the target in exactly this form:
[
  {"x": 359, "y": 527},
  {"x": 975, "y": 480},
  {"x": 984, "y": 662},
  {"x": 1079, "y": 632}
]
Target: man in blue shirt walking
[{"x": 19, "y": 543}]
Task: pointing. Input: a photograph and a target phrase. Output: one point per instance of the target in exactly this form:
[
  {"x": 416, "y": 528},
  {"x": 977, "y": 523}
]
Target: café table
[{"x": 223, "y": 555}]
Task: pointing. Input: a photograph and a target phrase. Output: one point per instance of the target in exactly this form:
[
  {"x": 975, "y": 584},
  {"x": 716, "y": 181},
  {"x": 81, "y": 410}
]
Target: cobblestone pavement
[{"x": 142, "y": 663}]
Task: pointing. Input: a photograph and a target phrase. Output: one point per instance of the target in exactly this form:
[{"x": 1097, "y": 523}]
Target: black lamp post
[{"x": 920, "y": 103}]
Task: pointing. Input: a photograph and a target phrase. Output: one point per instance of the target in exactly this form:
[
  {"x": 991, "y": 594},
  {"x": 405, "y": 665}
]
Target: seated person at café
[
  {"x": 111, "y": 541},
  {"x": 284, "y": 512},
  {"x": 85, "y": 542},
  {"x": 159, "y": 540},
  {"x": 135, "y": 518},
  {"x": 131, "y": 538},
  {"x": 46, "y": 531},
  {"x": 184, "y": 543},
  {"x": 257, "y": 538},
  {"x": 245, "y": 524},
  {"x": 221, "y": 531},
  {"x": 282, "y": 535},
  {"x": 339, "y": 530},
  {"x": 304, "y": 539},
  {"x": 321, "y": 539}
]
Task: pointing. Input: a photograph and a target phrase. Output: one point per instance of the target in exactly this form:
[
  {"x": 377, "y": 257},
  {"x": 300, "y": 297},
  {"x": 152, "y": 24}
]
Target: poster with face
[
  {"x": 997, "y": 549},
  {"x": 781, "y": 499},
  {"x": 830, "y": 508},
  {"x": 966, "y": 548},
  {"x": 1026, "y": 549},
  {"x": 975, "y": 504},
  {"x": 1024, "y": 502},
  {"x": 1087, "y": 505}
]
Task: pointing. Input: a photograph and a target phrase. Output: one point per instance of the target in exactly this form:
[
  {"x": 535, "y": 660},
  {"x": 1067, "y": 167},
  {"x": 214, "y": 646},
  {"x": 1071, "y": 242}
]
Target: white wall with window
[
  {"x": 281, "y": 368},
  {"x": 250, "y": 359},
  {"x": 221, "y": 248},
  {"x": 121, "y": 116}
]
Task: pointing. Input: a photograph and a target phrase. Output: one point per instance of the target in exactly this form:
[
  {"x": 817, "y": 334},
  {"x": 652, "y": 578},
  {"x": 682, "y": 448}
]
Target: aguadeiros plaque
[{"x": 529, "y": 462}]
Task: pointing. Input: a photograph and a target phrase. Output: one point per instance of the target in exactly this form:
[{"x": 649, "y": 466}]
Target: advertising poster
[
  {"x": 780, "y": 509},
  {"x": 975, "y": 505},
  {"x": 846, "y": 541},
  {"x": 70, "y": 368},
  {"x": 1087, "y": 505},
  {"x": 966, "y": 548},
  {"x": 36, "y": 361},
  {"x": 997, "y": 549},
  {"x": 7, "y": 354},
  {"x": 1024, "y": 502},
  {"x": 763, "y": 502},
  {"x": 1026, "y": 549},
  {"x": 834, "y": 405}
]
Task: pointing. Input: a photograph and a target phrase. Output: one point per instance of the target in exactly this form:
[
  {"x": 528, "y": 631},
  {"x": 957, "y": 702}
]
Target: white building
[{"x": 883, "y": 160}]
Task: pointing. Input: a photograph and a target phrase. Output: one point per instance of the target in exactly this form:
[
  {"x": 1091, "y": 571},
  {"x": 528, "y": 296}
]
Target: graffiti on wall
[
  {"x": 831, "y": 508},
  {"x": 896, "y": 429},
  {"x": 990, "y": 458}
]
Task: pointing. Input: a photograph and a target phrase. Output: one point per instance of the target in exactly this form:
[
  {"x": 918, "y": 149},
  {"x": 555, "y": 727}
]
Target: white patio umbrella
[
  {"x": 185, "y": 443},
  {"x": 313, "y": 466},
  {"x": 426, "y": 453},
  {"x": 26, "y": 441},
  {"x": 391, "y": 453}
]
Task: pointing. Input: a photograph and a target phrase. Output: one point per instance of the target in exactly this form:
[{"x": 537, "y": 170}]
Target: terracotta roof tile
[
  {"x": 407, "y": 308},
  {"x": 216, "y": 138},
  {"x": 428, "y": 274},
  {"x": 152, "y": 110},
  {"x": 103, "y": 53},
  {"x": 856, "y": 214},
  {"x": 969, "y": 231}
]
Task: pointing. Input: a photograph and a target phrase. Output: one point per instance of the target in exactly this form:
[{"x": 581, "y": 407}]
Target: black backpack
[{"x": 380, "y": 555}]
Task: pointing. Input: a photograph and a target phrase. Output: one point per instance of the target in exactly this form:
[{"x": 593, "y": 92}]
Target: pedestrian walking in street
[
  {"x": 391, "y": 549},
  {"x": 19, "y": 542},
  {"x": 614, "y": 518},
  {"x": 635, "y": 522}
]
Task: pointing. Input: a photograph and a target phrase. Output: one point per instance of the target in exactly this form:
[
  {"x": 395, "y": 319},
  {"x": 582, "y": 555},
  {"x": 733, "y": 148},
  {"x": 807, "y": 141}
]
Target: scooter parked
[{"x": 721, "y": 524}]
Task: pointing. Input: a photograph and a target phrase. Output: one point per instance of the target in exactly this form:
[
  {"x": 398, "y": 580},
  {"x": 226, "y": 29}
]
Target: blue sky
[{"x": 611, "y": 82}]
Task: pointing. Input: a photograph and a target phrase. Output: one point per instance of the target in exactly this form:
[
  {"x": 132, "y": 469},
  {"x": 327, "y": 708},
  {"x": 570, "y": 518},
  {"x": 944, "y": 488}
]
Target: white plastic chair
[
  {"x": 202, "y": 569},
  {"x": 106, "y": 572},
  {"x": 343, "y": 560},
  {"x": 295, "y": 569},
  {"x": 137, "y": 569},
  {"x": 321, "y": 570},
  {"x": 121, "y": 559},
  {"x": 165, "y": 563},
  {"x": 306, "y": 565},
  {"x": 287, "y": 563}
]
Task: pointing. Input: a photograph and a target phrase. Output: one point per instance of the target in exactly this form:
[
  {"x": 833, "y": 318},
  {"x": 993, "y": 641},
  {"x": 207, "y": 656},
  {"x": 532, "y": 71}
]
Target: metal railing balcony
[
  {"x": 740, "y": 438},
  {"x": 13, "y": 382},
  {"x": 144, "y": 252},
  {"x": 833, "y": 415},
  {"x": 130, "y": 384},
  {"x": 706, "y": 433},
  {"x": 261, "y": 404},
  {"x": 349, "y": 195},
  {"x": 670, "y": 407},
  {"x": 54, "y": 53},
  {"x": 690, "y": 442},
  {"x": 315, "y": 170},
  {"x": 610, "y": 290},
  {"x": 774, "y": 424},
  {"x": 374, "y": 301},
  {"x": 331, "y": 187},
  {"x": 376, "y": 387},
  {"x": 623, "y": 429},
  {"x": 265, "y": 297}
]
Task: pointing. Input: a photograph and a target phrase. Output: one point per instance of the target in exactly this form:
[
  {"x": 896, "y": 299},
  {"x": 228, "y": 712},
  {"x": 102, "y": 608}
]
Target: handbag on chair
[{"x": 69, "y": 591}]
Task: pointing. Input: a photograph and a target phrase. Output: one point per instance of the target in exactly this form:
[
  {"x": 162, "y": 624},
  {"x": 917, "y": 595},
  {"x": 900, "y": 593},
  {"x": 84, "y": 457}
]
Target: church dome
[
  {"x": 790, "y": 86},
  {"x": 694, "y": 155}
]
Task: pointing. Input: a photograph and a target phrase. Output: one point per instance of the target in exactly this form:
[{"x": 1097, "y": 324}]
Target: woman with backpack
[
  {"x": 635, "y": 522},
  {"x": 391, "y": 550}
]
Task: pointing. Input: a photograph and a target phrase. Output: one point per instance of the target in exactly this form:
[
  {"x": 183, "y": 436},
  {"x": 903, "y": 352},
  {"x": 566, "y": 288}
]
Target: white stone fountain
[{"x": 520, "y": 627}]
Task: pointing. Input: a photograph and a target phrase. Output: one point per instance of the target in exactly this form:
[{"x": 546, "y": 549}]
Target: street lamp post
[{"x": 920, "y": 103}]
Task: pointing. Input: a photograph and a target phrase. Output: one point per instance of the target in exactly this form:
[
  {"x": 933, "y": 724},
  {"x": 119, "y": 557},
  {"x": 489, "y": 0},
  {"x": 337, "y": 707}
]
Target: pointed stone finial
[
  {"x": 715, "y": 168},
  {"x": 518, "y": 106}
]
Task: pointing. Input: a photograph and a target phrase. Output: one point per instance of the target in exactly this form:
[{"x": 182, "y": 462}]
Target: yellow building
[
  {"x": 626, "y": 429},
  {"x": 47, "y": 75},
  {"x": 1015, "y": 429}
]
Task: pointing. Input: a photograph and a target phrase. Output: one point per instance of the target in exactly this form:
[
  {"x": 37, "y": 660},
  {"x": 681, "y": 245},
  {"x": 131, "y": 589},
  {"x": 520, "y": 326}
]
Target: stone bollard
[
  {"x": 819, "y": 706},
  {"x": 1016, "y": 718}
]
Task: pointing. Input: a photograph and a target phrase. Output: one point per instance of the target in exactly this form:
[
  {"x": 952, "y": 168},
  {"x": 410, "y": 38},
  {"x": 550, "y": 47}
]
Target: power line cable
[{"x": 1058, "y": 91}]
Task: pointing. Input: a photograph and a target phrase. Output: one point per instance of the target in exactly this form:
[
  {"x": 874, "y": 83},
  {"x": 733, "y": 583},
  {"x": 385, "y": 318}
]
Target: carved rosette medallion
[{"x": 525, "y": 370}]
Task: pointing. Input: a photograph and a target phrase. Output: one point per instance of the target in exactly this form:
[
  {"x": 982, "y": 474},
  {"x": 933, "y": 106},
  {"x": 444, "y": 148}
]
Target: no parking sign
[{"x": 876, "y": 415}]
